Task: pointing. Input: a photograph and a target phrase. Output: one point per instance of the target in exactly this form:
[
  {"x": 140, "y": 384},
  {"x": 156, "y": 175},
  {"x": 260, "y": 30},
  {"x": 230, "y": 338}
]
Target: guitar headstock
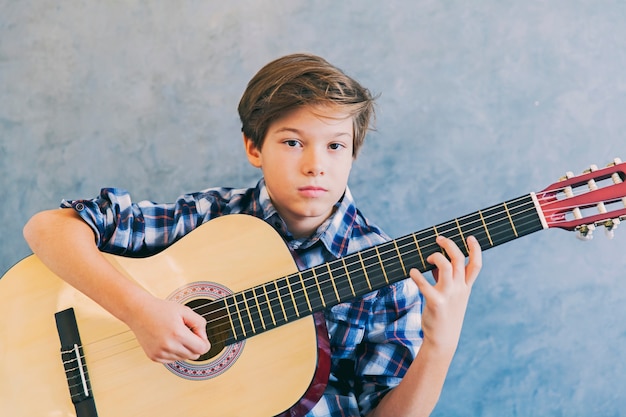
[{"x": 583, "y": 202}]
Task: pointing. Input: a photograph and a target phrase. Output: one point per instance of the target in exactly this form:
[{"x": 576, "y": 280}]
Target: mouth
[{"x": 312, "y": 191}]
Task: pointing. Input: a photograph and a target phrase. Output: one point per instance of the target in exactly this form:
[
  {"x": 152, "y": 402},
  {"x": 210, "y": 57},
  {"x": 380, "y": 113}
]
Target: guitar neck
[{"x": 291, "y": 297}]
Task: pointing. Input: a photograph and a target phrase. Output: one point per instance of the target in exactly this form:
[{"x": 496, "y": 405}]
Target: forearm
[
  {"x": 418, "y": 392},
  {"x": 442, "y": 320},
  {"x": 66, "y": 245}
]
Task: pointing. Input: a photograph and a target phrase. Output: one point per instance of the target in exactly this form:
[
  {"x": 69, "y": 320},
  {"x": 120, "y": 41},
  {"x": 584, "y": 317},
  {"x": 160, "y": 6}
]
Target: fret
[
  {"x": 319, "y": 287},
  {"x": 253, "y": 314},
  {"x": 357, "y": 274},
  {"x": 270, "y": 304},
  {"x": 246, "y": 325},
  {"x": 473, "y": 225},
  {"x": 462, "y": 236},
  {"x": 280, "y": 300},
  {"x": 326, "y": 285},
  {"x": 367, "y": 278},
  {"x": 498, "y": 224},
  {"x": 341, "y": 281},
  {"x": 247, "y": 309},
  {"x": 332, "y": 280},
  {"x": 408, "y": 253},
  {"x": 428, "y": 244},
  {"x": 349, "y": 278},
  {"x": 392, "y": 263},
  {"x": 482, "y": 218},
  {"x": 395, "y": 245},
  {"x": 299, "y": 293},
  {"x": 374, "y": 268},
  {"x": 313, "y": 290},
  {"x": 232, "y": 314},
  {"x": 525, "y": 216},
  {"x": 417, "y": 246},
  {"x": 306, "y": 293},
  {"x": 262, "y": 306},
  {"x": 293, "y": 299},
  {"x": 286, "y": 301},
  {"x": 382, "y": 265},
  {"x": 510, "y": 219},
  {"x": 439, "y": 249},
  {"x": 452, "y": 231}
]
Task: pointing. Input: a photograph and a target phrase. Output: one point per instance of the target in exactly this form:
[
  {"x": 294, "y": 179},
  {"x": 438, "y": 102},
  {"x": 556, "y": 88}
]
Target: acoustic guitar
[{"x": 63, "y": 355}]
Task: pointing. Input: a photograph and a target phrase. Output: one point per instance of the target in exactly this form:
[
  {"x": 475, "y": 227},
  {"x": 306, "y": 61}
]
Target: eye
[
  {"x": 336, "y": 146},
  {"x": 291, "y": 143}
]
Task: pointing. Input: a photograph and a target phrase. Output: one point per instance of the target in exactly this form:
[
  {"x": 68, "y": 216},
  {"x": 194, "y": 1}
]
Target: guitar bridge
[{"x": 73, "y": 360}]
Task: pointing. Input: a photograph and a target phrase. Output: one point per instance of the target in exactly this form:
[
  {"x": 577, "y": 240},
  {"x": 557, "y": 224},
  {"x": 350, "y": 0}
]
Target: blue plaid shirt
[{"x": 373, "y": 339}]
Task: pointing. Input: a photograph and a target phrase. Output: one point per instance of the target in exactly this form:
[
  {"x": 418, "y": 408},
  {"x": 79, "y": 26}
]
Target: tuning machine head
[
  {"x": 585, "y": 231},
  {"x": 610, "y": 226}
]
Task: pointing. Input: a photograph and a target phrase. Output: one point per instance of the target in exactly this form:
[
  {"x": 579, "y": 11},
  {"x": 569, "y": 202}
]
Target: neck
[
  {"x": 302, "y": 227},
  {"x": 354, "y": 275}
]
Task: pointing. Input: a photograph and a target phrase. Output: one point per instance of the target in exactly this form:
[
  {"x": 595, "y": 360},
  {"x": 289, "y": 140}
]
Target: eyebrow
[{"x": 299, "y": 132}]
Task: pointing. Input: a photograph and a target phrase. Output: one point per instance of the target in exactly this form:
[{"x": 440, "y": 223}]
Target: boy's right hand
[{"x": 168, "y": 331}]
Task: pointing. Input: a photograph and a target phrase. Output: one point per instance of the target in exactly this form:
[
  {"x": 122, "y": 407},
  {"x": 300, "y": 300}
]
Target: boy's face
[{"x": 306, "y": 159}]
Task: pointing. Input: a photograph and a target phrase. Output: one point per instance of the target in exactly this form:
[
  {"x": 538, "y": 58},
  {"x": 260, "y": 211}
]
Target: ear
[{"x": 253, "y": 154}]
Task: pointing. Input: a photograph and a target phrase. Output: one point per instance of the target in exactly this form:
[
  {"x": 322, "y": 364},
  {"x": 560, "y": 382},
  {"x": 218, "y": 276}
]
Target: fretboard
[{"x": 291, "y": 297}]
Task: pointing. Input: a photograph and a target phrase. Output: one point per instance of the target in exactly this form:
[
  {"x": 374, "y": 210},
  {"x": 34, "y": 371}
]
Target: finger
[
  {"x": 457, "y": 258},
  {"x": 475, "y": 263},
  {"x": 422, "y": 283},
  {"x": 196, "y": 340},
  {"x": 443, "y": 267}
]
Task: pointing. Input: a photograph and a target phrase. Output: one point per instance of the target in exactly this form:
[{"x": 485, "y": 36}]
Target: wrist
[{"x": 442, "y": 350}]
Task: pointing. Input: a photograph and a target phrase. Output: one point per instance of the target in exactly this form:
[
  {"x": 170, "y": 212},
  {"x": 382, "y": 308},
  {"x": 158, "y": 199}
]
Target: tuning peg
[
  {"x": 585, "y": 232},
  {"x": 616, "y": 161},
  {"x": 567, "y": 176},
  {"x": 610, "y": 226}
]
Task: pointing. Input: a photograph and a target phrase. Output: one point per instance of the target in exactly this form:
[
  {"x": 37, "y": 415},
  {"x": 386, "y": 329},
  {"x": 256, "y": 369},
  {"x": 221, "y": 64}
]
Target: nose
[{"x": 313, "y": 162}]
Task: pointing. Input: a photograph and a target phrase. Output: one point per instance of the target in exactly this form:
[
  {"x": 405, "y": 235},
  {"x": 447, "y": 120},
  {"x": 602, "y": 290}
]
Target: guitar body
[{"x": 262, "y": 376}]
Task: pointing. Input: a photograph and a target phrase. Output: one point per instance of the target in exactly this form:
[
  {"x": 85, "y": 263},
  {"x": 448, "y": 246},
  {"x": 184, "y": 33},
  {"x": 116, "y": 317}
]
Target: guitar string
[
  {"x": 487, "y": 219},
  {"x": 95, "y": 357},
  {"x": 383, "y": 253},
  {"x": 242, "y": 305},
  {"x": 539, "y": 195},
  {"x": 522, "y": 223}
]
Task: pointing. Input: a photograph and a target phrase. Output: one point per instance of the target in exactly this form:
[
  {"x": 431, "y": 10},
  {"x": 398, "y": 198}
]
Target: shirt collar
[{"x": 333, "y": 233}]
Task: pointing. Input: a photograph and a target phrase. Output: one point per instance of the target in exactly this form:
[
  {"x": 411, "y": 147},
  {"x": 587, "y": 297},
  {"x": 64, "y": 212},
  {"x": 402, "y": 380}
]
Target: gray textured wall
[{"x": 481, "y": 102}]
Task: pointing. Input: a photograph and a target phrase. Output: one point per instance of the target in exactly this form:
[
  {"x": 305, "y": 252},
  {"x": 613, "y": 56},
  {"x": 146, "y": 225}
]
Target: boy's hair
[{"x": 298, "y": 80}]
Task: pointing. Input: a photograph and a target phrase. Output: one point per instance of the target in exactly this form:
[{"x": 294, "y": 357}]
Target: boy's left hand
[{"x": 447, "y": 299}]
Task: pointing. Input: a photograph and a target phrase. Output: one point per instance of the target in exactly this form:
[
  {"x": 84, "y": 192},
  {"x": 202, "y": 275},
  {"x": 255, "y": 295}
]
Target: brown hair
[{"x": 299, "y": 80}]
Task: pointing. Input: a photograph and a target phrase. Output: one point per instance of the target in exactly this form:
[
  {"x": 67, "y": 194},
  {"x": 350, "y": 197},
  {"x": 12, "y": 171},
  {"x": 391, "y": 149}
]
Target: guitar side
[{"x": 270, "y": 374}]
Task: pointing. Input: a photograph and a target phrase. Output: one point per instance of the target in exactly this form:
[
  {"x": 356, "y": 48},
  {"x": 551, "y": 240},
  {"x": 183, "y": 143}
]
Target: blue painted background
[{"x": 480, "y": 102}]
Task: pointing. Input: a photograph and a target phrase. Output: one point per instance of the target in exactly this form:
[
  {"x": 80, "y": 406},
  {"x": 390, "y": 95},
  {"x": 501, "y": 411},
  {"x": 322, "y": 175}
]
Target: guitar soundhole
[
  {"x": 204, "y": 299},
  {"x": 218, "y": 326}
]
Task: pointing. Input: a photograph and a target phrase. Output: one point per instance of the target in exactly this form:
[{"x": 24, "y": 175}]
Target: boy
[{"x": 303, "y": 123}]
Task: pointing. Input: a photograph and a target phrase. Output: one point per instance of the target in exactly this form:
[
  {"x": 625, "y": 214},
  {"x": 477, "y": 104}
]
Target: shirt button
[{"x": 79, "y": 207}]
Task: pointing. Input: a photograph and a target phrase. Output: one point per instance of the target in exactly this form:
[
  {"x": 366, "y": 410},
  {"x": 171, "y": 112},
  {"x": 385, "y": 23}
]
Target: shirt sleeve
[
  {"x": 139, "y": 229},
  {"x": 374, "y": 340},
  {"x": 392, "y": 338}
]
